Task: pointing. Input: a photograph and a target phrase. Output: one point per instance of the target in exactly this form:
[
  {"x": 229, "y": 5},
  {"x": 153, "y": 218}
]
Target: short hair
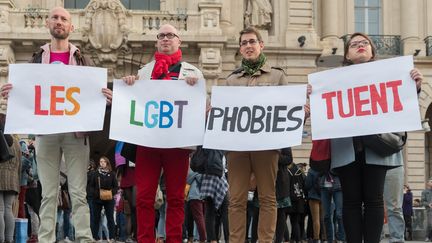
[
  {"x": 251, "y": 30},
  {"x": 347, "y": 62}
]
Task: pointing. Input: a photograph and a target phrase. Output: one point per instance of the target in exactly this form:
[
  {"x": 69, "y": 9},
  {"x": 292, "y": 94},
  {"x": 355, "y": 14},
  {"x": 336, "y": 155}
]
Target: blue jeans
[
  {"x": 162, "y": 220},
  {"x": 121, "y": 224},
  {"x": 393, "y": 197},
  {"x": 327, "y": 195}
]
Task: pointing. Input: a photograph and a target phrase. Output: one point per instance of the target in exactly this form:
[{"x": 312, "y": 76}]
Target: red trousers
[
  {"x": 21, "y": 199},
  {"x": 175, "y": 165}
]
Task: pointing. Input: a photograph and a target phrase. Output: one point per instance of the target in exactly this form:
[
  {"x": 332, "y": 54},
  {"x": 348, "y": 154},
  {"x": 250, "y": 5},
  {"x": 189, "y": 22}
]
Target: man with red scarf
[{"x": 150, "y": 161}]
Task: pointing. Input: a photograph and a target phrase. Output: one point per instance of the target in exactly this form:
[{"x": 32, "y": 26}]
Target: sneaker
[{"x": 66, "y": 240}]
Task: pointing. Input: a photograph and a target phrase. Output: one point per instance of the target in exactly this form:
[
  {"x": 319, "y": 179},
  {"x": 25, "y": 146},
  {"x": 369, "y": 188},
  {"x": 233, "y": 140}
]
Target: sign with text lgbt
[
  {"x": 362, "y": 99},
  {"x": 255, "y": 118},
  {"x": 158, "y": 113},
  {"x": 48, "y": 99}
]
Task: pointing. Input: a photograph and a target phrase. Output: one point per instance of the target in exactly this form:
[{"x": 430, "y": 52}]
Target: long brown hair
[
  {"x": 108, "y": 162},
  {"x": 347, "y": 62}
]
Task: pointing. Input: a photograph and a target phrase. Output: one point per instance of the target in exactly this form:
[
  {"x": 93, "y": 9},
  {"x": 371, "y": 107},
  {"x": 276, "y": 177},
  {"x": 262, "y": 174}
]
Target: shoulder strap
[{"x": 37, "y": 56}]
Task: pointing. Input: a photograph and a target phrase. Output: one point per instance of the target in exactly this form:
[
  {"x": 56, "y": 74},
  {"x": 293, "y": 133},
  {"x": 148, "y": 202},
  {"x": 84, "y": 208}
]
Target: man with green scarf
[{"x": 254, "y": 71}]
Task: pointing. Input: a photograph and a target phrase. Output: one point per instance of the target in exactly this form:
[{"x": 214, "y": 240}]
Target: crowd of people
[{"x": 342, "y": 195}]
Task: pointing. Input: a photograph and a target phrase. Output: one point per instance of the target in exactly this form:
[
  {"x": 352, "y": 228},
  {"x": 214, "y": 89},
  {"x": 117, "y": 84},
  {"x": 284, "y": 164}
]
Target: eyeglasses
[
  {"x": 356, "y": 44},
  {"x": 251, "y": 41},
  {"x": 170, "y": 36}
]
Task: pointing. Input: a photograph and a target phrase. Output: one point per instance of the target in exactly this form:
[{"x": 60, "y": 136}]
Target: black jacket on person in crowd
[{"x": 108, "y": 181}]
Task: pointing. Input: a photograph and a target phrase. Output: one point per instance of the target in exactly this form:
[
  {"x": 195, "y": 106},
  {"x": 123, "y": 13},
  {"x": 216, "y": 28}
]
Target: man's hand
[
  {"x": 191, "y": 80},
  {"x": 108, "y": 94},
  {"x": 307, "y": 111},
  {"x": 308, "y": 90},
  {"x": 130, "y": 80},
  {"x": 417, "y": 76},
  {"x": 5, "y": 89}
]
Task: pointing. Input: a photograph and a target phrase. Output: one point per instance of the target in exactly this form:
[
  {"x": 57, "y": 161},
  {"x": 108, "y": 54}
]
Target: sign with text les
[
  {"x": 255, "y": 118},
  {"x": 159, "y": 113},
  {"x": 48, "y": 99},
  {"x": 363, "y": 99}
]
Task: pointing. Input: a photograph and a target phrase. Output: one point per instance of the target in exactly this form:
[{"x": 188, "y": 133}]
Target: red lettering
[
  {"x": 397, "y": 104},
  {"x": 350, "y": 104},
  {"x": 328, "y": 97},
  {"x": 378, "y": 98},
  {"x": 38, "y": 110},
  {"x": 359, "y": 103},
  {"x": 55, "y": 100}
]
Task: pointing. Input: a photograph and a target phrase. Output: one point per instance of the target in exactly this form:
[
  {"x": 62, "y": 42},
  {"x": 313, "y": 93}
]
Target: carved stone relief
[
  {"x": 210, "y": 61},
  {"x": 258, "y": 14},
  {"x": 4, "y": 21},
  {"x": 105, "y": 29}
]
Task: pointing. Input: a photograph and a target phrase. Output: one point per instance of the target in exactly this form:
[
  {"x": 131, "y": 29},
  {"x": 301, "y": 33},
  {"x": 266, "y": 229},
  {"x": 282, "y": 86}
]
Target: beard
[{"x": 60, "y": 36}]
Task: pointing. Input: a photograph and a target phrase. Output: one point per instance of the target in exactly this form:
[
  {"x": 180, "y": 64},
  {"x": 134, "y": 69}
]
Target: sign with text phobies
[
  {"x": 362, "y": 99},
  {"x": 255, "y": 118},
  {"x": 48, "y": 99},
  {"x": 158, "y": 113}
]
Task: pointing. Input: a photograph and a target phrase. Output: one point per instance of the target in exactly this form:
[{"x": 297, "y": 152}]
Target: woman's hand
[
  {"x": 5, "y": 89},
  {"x": 191, "y": 80},
  {"x": 130, "y": 80},
  {"x": 417, "y": 76},
  {"x": 108, "y": 94}
]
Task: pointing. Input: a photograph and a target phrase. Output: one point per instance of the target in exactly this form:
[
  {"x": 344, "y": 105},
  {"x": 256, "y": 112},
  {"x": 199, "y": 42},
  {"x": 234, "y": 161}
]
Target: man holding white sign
[
  {"x": 270, "y": 118},
  {"x": 360, "y": 100},
  {"x": 73, "y": 146},
  {"x": 168, "y": 65}
]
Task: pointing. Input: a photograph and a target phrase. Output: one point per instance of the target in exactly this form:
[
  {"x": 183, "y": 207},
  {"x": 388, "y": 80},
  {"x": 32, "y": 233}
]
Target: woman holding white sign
[{"x": 362, "y": 180}]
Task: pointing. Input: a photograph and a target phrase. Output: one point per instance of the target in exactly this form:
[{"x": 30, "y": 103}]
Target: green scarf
[{"x": 250, "y": 67}]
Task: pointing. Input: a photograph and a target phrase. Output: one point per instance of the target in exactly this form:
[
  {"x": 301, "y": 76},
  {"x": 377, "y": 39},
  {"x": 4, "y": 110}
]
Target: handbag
[
  {"x": 104, "y": 194},
  {"x": 385, "y": 144},
  {"x": 6, "y": 152}
]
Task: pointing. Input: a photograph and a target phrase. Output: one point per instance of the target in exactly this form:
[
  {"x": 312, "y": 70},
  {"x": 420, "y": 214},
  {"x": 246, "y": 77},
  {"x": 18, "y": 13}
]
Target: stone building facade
[{"x": 300, "y": 36}]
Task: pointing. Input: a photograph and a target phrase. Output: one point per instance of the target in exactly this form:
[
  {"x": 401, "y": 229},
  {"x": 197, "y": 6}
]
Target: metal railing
[{"x": 387, "y": 45}]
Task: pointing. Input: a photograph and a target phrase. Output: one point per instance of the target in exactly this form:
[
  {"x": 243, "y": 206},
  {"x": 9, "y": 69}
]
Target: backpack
[
  {"x": 207, "y": 161},
  {"x": 296, "y": 183}
]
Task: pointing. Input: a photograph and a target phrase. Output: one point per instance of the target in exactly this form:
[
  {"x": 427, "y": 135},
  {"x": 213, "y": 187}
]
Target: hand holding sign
[
  {"x": 49, "y": 99},
  {"x": 380, "y": 94}
]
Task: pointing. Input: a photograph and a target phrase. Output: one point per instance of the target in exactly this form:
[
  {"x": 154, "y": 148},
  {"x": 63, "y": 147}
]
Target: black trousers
[
  {"x": 214, "y": 218},
  {"x": 109, "y": 213},
  {"x": 281, "y": 226},
  {"x": 408, "y": 227},
  {"x": 363, "y": 203}
]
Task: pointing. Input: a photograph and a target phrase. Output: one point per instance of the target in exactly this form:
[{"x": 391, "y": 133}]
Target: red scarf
[{"x": 163, "y": 62}]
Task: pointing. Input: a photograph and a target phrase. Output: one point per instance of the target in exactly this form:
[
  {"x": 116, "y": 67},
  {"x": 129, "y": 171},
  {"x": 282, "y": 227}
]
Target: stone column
[
  {"x": 410, "y": 25},
  {"x": 226, "y": 20},
  {"x": 332, "y": 52},
  {"x": 329, "y": 18}
]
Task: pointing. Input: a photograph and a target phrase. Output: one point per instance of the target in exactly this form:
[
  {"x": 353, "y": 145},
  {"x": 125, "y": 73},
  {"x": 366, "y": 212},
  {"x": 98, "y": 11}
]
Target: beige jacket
[{"x": 266, "y": 76}]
